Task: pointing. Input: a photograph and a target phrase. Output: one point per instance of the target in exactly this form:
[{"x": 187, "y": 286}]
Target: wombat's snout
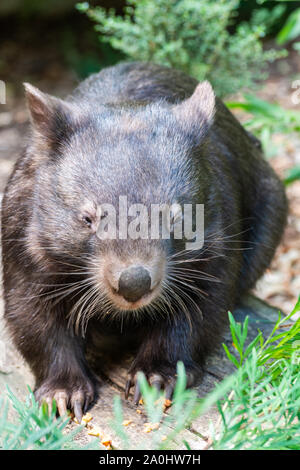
[{"x": 134, "y": 283}]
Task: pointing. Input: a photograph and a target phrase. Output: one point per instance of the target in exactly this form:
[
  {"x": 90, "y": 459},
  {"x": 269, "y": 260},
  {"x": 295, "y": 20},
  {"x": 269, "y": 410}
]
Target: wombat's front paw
[
  {"x": 75, "y": 397},
  {"x": 165, "y": 380}
]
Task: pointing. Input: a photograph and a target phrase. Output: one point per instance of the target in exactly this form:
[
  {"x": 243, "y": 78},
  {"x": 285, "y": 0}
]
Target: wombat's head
[{"x": 101, "y": 174}]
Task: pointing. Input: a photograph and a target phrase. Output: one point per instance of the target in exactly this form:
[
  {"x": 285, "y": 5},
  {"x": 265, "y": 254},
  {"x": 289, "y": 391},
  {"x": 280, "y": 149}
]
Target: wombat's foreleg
[
  {"x": 162, "y": 347},
  {"x": 55, "y": 354}
]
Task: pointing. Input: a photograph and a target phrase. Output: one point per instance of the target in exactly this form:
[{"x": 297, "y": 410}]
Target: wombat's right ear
[
  {"x": 49, "y": 115},
  {"x": 196, "y": 113}
]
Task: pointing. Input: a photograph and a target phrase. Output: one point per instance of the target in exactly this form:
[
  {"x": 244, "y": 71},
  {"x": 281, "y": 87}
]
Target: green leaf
[
  {"x": 230, "y": 356},
  {"x": 292, "y": 175},
  {"x": 291, "y": 28}
]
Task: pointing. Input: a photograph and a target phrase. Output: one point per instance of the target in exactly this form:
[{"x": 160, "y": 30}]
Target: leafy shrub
[
  {"x": 267, "y": 119},
  {"x": 290, "y": 30},
  {"x": 192, "y": 35}
]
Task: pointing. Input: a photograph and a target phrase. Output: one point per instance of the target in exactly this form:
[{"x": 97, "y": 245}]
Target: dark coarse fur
[{"x": 121, "y": 133}]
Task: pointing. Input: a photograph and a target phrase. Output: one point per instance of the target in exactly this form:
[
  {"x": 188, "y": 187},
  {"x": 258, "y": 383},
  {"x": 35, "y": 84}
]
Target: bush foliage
[{"x": 194, "y": 36}]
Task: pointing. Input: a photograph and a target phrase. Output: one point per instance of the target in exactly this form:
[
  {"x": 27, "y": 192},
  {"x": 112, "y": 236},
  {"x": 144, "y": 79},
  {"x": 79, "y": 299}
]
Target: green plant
[
  {"x": 260, "y": 413},
  {"x": 263, "y": 409},
  {"x": 192, "y": 35},
  {"x": 260, "y": 408},
  {"x": 290, "y": 30},
  {"x": 267, "y": 119},
  {"x": 292, "y": 175},
  {"x": 34, "y": 427}
]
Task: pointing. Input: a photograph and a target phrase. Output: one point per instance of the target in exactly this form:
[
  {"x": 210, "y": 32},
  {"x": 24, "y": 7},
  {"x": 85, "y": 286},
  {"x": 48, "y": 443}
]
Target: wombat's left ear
[
  {"x": 50, "y": 116},
  {"x": 196, "y": 112}
]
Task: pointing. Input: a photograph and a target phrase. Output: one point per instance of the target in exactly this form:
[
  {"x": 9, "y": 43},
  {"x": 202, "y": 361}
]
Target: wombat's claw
[
  {"x": 127, "y": 388},
  {"x": 76, "y": 401},
  {"x": 155, "y": 380},
  {"x": 61, "y": 399},
  {"x": 78, "y": 407},
  {"x": 169, "y": 389},
  {"x": 137, "y": 392},
  {"x": 132, "y": 381}
]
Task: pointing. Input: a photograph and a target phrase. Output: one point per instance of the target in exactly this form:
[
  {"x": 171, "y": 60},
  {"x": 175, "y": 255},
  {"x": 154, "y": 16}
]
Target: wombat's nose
[{"x": 134, "y": 282}]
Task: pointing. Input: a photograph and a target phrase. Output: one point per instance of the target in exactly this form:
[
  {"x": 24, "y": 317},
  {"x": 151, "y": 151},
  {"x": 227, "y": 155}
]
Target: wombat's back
[{"x": 135, "y": 81}]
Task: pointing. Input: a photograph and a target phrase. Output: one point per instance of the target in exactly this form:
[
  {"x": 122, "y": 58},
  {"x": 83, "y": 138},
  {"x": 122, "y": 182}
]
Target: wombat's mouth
[{"x": 121, "y": 303}]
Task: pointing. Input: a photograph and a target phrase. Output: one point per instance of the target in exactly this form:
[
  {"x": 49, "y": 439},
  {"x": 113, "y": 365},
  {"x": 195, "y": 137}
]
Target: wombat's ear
[
  {"x": 49, "y": 115},
  {"x": 196, "y": 112}
]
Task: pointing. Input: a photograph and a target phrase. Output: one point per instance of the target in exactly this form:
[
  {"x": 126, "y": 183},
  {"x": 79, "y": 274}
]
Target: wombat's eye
[{"x": 87, "y": 220}]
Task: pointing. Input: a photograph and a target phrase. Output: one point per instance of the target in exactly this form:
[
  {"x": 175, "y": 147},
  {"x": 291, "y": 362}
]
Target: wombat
[{"x": 156, "y": 136}]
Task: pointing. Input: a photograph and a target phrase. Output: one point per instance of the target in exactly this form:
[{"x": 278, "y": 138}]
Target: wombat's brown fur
[{"x": 154, "y": 135}]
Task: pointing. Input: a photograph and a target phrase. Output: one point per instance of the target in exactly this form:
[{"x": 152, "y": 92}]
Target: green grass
[
  {"x": 259, "y": 405},
  {"x": 34, "y": 428}
]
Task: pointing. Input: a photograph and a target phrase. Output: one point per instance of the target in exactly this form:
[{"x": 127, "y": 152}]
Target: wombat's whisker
[
  {"x": 194, "y": 272},
  {"x": 174, "y": 297},
  {"x": 76, "y": 311},
  {"x": 65, "y": 284},
  {"x": 223, "y": 229},
  {"x": 244, "y": 242},
  {"x": 197, "y": 256},
  {"x": 184, "y": 283},
  {"x": 187, "y": 251},
  {"x": 70, "y": 287},
  {"x": 166, "y": 299},
  {"x": 193, "y": 260},
  {"x": 85, "y": 314},
  {"x": 182, "y": 276},
  {"x": 196, "y": 289},
  {"x": 100, "y": 300},
  {"x": 193, "y": 277},
  {"x": 68, "y": 296},
  {"x": 160, "y": 305},
  {"x": 181, "y": 304}
]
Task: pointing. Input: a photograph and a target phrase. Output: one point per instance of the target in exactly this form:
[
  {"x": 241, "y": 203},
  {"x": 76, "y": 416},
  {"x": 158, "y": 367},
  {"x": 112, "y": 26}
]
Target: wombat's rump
[{"x": 156, "y": 136}]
